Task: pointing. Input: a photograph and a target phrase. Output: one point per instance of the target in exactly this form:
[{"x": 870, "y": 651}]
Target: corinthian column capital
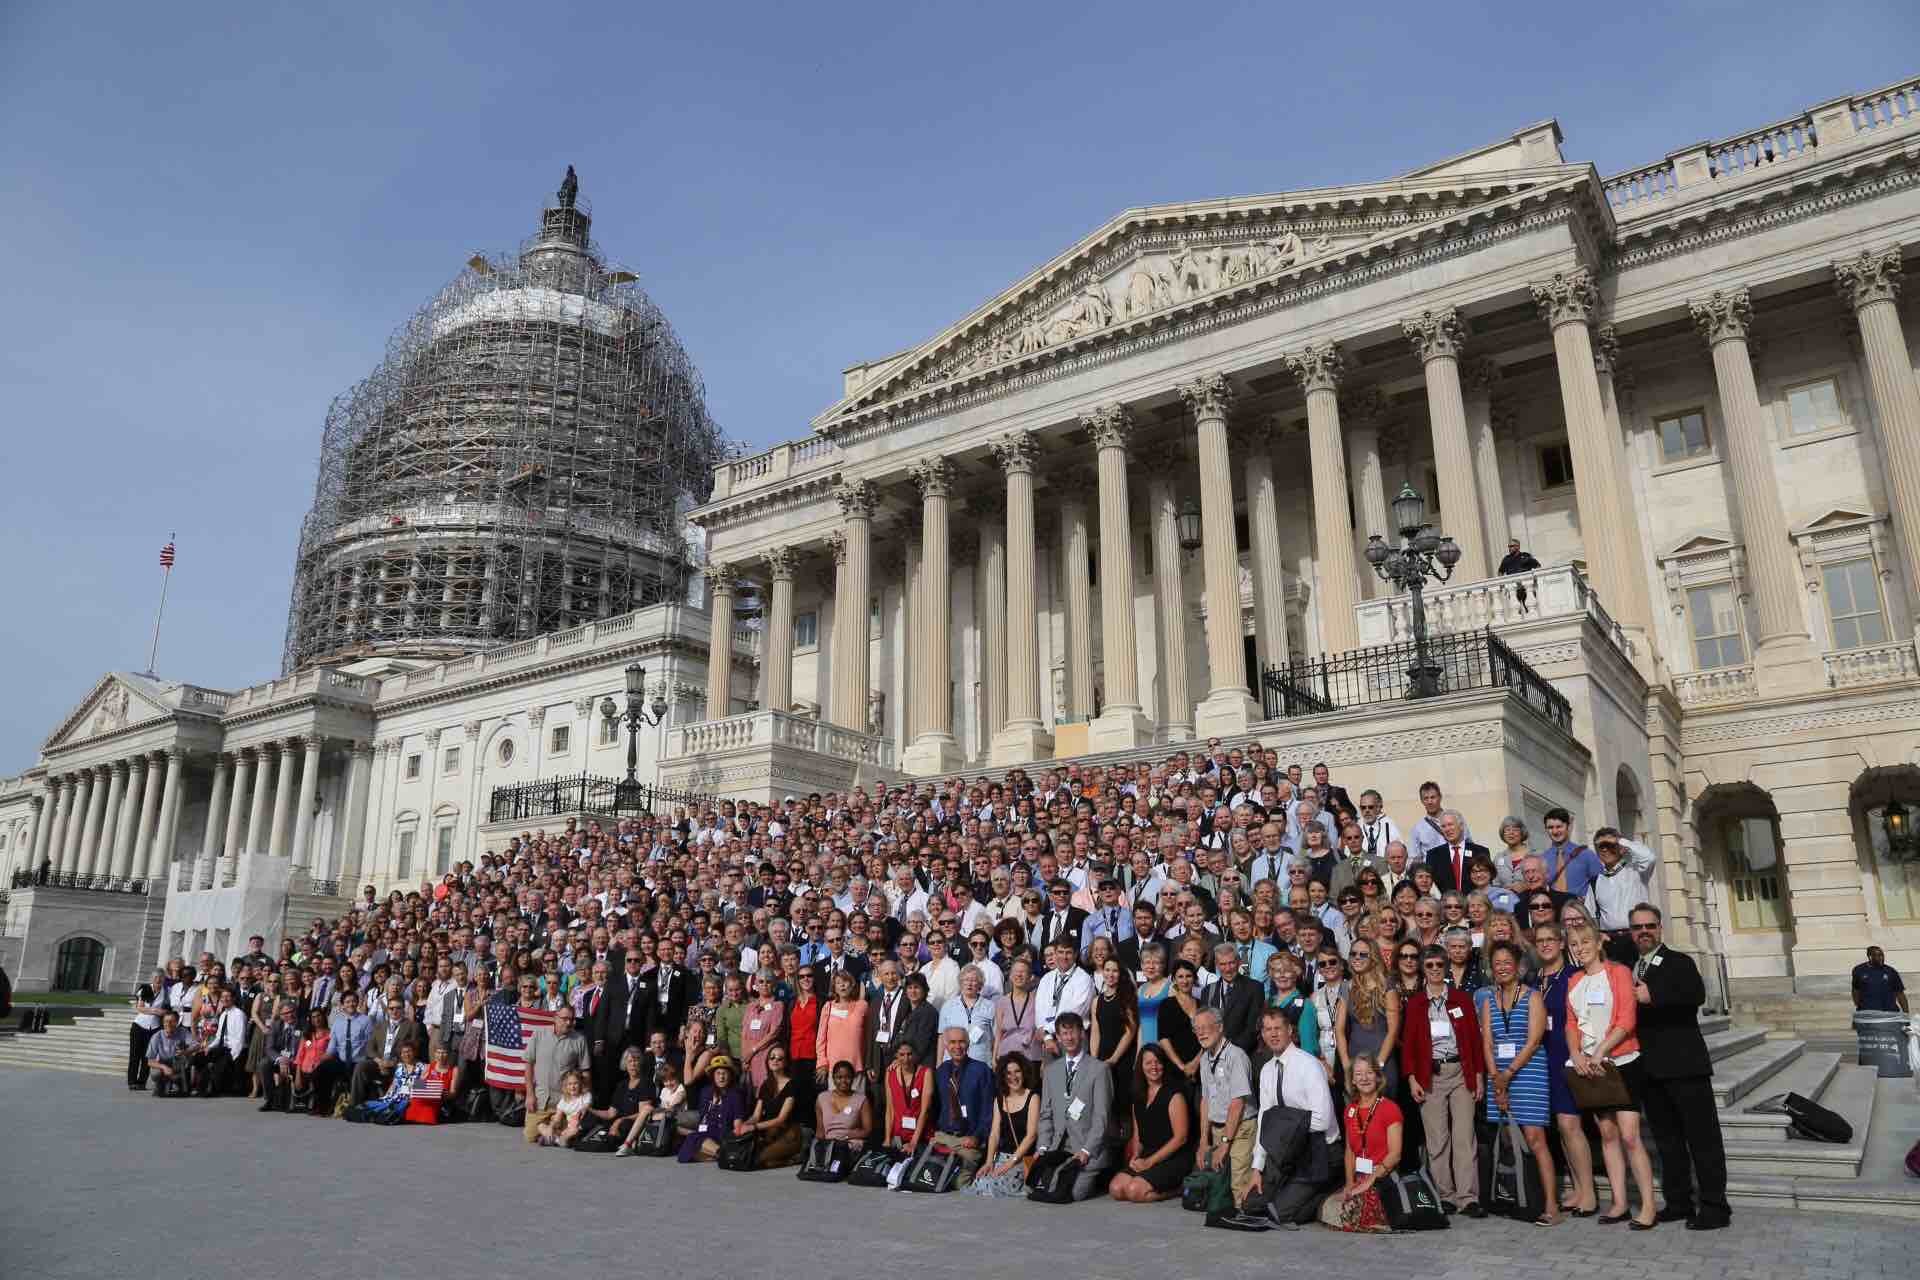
[
  {"x": 1318, "y": 368},
  {"x": 933, "y": 477},
  {"x": 1110, "y": 425},
  {"x": 1606, "y": 349},
  {"x": 856, "y": 498},
  {"x": 1726, "y": 316},
  {"x": 1873, "y": 276},
  {"x": 1436, "y": 335},
  {"x": 1568, "y": 298},
  {"x": 1208, "y": 396},
  {"x": 780, "y": 562},
  {"x": 722, "y": 577},
  {"x": 837, "y": 546},
  {"x": 1481, "y": 375},
  {"x": 1016, "y": 451}
]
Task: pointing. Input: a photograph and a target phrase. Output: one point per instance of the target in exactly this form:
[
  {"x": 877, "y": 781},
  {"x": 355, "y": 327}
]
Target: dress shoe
[
  {"x": 268, "y": 1106},
  {"x": 1673, "y": 1215},
  {"x": 1709, "y": 1222},
  {"x": 1473, "y": 1210}
]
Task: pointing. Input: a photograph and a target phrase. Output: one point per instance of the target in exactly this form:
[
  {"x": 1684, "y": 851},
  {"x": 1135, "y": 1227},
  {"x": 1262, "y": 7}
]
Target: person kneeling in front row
[
  {"x": 1293, "y": 1091},
  {"x": 1076, "y": 1106},
  {"x": 963, "y": 1094}
]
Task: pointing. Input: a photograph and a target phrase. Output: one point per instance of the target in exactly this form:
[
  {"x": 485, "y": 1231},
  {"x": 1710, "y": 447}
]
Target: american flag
[
  {"x": 508, "y": 1030},
  {"x": 431, "y": 1088},
  {"x": 166, "y": 556}
]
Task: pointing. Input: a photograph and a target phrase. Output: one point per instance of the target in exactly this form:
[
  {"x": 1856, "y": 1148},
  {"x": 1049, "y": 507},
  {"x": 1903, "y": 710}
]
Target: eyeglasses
[
  {"x": 1326, "y": 964},
  {"x": 1433, "y": 964},
  {"x": 1643, "y": 928}
]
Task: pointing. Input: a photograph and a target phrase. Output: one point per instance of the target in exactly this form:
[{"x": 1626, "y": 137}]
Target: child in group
[{"x": 565, "y": 1125}]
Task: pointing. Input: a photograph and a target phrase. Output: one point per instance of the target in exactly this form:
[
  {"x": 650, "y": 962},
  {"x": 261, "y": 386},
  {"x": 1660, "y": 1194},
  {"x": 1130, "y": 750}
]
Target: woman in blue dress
[
  {"x": 1513, "y": 1029},
  {"x": 1155, "y": 987}
]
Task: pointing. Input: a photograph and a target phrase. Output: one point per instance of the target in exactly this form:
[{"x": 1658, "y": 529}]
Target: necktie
[
  {"x": 1059, "y": 989},
  {"x": 953, "y": 1096},
  {"x": 1113, "y": 923},
  {"x": 1073, "y": 1070},
  {"x": 1458, "y": 879}
]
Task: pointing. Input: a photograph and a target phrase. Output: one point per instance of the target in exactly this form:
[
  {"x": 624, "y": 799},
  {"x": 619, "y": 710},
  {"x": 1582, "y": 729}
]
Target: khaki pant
[
  {"x": 1447, "y": 1116},
  {"x": 970, "y": 1158},
  {"x": 536, "y": 1118},
  {"x": 1239, "y": 1147}
]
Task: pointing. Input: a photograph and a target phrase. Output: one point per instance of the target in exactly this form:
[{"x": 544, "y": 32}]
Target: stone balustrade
[
  {"x": 1874, "y": 664},
  {"x": 782, "y": 462},
  {"x": 1557, "y": 592},
  {"x": 781, "y": 729},
  {"x": 1706, "y": 688}
]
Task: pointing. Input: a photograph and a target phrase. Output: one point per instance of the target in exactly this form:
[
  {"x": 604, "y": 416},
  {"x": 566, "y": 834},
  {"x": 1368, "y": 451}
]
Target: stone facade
[{"x": 1688, "y": 390}]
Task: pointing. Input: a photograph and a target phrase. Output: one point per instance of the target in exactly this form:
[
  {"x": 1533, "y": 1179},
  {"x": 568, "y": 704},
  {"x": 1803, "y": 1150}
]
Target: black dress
[
  {"x": 1176, "y": 1029},
  {"x": 1155, "y": 1127},
  {"x": 1110, "y": 1016}
]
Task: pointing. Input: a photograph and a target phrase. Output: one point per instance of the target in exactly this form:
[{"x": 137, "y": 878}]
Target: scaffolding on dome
[{"x": 521, "y": 462}]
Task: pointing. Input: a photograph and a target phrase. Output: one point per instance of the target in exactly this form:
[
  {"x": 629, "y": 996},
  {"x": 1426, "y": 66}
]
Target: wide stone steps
[{"x": 93, "y": 1041}]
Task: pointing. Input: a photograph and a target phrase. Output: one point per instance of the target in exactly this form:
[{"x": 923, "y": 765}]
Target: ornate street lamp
[
  {"x": 1422, "y": 554},
  {"x": 635, "y": 715},
  {"x": 1897, "y": 825},
  {"x": 1187, "y": 521}
]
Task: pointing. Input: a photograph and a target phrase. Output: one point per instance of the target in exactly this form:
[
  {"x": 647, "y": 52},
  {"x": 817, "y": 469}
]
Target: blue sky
[{"x": 213, "y": 216}]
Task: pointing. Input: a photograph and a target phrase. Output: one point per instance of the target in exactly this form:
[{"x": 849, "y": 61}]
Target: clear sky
[{"x": 213, "y": 215}]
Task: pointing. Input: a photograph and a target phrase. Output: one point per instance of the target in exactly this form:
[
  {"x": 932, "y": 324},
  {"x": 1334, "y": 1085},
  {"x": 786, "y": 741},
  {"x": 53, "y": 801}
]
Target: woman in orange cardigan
[
  {"x": 843, "y": 1024},
  {"x": 1602, "y": 1017}
]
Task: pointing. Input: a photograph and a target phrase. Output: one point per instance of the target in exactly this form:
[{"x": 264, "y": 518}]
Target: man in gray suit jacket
[{"x": 1076, "y": 1106}]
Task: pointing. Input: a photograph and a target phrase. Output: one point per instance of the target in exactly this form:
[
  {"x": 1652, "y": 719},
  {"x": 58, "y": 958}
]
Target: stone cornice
[
  {"x": 768, "y": 501},
  {"x": 1739, "y": 722},
  {"x": 1562, "y": 194},
  {"x": 614, "y": 656}
]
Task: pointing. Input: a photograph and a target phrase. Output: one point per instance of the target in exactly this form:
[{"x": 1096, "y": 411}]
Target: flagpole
[{"x": 166, "y": 578}]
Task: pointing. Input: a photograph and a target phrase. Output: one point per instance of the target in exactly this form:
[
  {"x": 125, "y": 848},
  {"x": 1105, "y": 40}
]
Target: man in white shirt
[
  {"x": 1377, "y": 830},
  {"x": 1290, "y": 1191},
  {"x": 1064, "y": 988},
  {"x": 1626, "y": 876}
]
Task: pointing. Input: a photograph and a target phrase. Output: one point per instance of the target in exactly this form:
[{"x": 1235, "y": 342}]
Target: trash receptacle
[{"x": 1883, "y": 1042}]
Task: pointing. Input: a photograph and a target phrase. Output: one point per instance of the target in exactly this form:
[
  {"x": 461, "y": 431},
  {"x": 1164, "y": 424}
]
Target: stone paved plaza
[{"x": 94, "y": 1178}]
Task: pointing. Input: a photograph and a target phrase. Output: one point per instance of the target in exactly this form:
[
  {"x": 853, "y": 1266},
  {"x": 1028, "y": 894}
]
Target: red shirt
[
  {"x": 803, "y": 1023},
  {"x": 1367, "y": 1130}
]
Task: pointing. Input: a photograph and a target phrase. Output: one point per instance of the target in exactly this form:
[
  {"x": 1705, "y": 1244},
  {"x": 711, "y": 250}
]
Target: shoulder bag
[
  {"x": 1604, "y": 1092},
  {"x": 740, "y": 1153}
]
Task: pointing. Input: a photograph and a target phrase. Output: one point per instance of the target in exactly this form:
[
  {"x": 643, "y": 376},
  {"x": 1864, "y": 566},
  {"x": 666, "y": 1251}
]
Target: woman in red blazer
[{"x": 1442, "y": 1063}]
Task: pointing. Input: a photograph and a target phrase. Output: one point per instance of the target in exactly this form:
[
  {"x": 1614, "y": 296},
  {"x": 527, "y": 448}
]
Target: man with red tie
[{"x": 1448, "y": 860}]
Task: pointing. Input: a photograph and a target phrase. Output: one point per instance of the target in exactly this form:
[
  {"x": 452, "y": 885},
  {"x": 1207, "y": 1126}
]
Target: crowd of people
[{"x": 1125, "y": 976}]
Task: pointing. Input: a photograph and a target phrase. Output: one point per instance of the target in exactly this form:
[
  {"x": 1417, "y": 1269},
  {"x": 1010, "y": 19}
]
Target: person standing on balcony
[{"x": 1516, "y": 562}]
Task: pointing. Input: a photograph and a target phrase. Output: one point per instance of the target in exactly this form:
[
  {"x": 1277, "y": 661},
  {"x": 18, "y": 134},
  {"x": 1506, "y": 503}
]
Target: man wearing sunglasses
[{"x": 1676, "y": 1074}]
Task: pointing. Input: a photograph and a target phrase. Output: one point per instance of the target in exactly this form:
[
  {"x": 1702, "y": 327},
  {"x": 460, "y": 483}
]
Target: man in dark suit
[
  {"x": 672, "y": 996},
  {"x": 839, "y": 958},
  {"x": 1676, "y": 1072},
  {"x": 886, "y": 1018},
  {"x": 1331, "y": 797},
  {"x": 1238, "y": 998},
  {"x": 1060, "y": 918},
  {"x": 1146, "y": 933},
  {"x": 1448, "y": 860},
  {"x": 623, "y": 1017}
]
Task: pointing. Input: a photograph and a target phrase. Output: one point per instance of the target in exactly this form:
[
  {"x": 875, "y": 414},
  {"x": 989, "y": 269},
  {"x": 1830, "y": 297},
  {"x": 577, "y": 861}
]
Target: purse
[
  {"x": 739, "y": 1153},
  {"x": 828, "y": 1160},
  {"x": 872, "y": 1168},
  {"x": 656, "y": 1135},
  {"x": 1604, "y": 1092}
]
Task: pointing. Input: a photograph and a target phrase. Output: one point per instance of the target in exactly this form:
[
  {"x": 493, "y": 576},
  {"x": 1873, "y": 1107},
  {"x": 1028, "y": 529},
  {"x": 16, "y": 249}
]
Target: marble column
[
  {"x": 267, "y": 760},
  {"x": 1870, "y": 283},
  {"x": 359, "y": 784},
  {"x": 990, "y": 590},
  {"x": 217, "y": 801},
  {"x": 279, "y": 825},
  {"x": 56, "y": 851},
  {"x": 77, "y": 822},
  {"x": 1071, "y": 488},
  {"x": 1228, "y": 708},
  {"x": 1437, "y": 338},
  {"x": 1163, "y": 464},
  {"x": 1255, "y": 441},
  {"x": 149, "y": 816},
  {"x": 1567, "y": 302},
  {"x": 722, "y": 581},
  {"x": 1784, "y": 659},
  {"x": 126, "y": 830},
  {"x": 1023, "y": 738},
  {"x": 853, "y": 678},
  {"x": 777, "y": 660},
  {"x": 1122, "y": 724},
  {"x": 1634, "y": 612},
  {"x": 908, "y": 532},
  {"x": 44, "y": 829},
  {"x": 310, "y": 793},
  {"x": 160, "y": 852},
  {"x": 239, "y": 794},
  {"x": 96, "y": 818},
  {"x": 1363, "y": 414},
  {"x": 103, "y": 849},
  {"x": 1481, "y": 376},
  {"x": 935, "y": 751},
  {"x": 1319, "y": 369}
]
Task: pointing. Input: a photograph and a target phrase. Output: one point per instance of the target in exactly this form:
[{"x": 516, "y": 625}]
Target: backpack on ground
[
  {"x": 828, "y": 1160},
  {"x": 1207, "y": 1191},
  {"x": 933, "y": 1171},
  {"x": 740, "y": 1153},
  {"x": 1051, "y": 1179},
  {"x": 1809, "y": 1120},
  {"x": 656, "y": 1135},
  {"x": 872, "y": 1168},
  {"x": 1412, "y": 1201},
  {"x": 1509, "y": 1178},
  {"x": 598, "y": 1141}
]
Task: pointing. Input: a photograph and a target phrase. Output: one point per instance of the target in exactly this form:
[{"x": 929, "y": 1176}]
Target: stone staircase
[
  {"x": 304, "y": 907},
  {"x": 90, "y": 1040}
]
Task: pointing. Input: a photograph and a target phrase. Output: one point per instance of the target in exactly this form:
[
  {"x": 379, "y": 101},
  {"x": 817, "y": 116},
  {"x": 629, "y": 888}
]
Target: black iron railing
[
  {"x": 24, "y": 879},
  {"x": 585, "y": 793},
  {"x": 1459, "y": 662}
]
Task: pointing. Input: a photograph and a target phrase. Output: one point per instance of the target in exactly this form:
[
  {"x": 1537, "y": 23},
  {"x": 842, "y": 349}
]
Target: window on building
[
  {"x": 1814, "y": 407},
  {"x": 1898, "y": 878},
  {"x": 1556, "y": 465},
  {"x": 443, "y": 851},
  {"x": 413, "y": 767},
  {"x": 1753, "y": 874},
  {"x": 806, "y": 630},
  {"x": 1684, "y": 435},
  {"x": 609, "y": 731},
  {"x": 1853, "y": 604},
  {"x": 452, "y": 762},
  {"x": 1714, "y": 615},
  {"x": 559, "y": 740},
  {"x": 403, "y": 856}
]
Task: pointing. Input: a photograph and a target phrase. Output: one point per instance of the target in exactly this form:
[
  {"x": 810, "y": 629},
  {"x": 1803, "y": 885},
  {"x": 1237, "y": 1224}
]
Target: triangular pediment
[
  {"x": 1148, "y": 266},
  {"x": 117, "y": 701},
  {"x": 1701, "y": 542},
  {"x": 1835, "y": 519}
]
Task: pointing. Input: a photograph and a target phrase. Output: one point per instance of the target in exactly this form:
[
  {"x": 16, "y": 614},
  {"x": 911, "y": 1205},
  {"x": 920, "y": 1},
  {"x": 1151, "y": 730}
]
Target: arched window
[{"x": 77, "y": 964}]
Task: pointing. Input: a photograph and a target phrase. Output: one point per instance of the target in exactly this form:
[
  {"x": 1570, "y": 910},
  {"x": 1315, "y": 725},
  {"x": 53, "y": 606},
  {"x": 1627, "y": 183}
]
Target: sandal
[
  {"x": 1584, "y": 1213},
  {"x": 1615, "y": 1221},
  {"x": 1548, "y": 1220}
]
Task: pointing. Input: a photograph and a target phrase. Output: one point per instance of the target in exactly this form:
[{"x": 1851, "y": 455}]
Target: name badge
[
  {"x": 1596, "y": 994},
  {"x": 1655, "y": 960},
  {"x": 1362, "y": 1165},
  {"x": 909, "y": 1122},
  {"x": 710, "y": 1039},
  {"x": 882, "y": 1036},
  {"x": 837, "y": 1013},
  {"x": 963, "y": 1111},
  {"x": 1453, "y": 1012},
  {"x": 1078, "y": 1109},
  {"x": 913, "y": 1093},
  {"x": 754, "y": 1025},
  {"x": 1439, "y": 1028},
  {"x": 975, "y": 1031},
  {"x": 1505, "y": 1051}
]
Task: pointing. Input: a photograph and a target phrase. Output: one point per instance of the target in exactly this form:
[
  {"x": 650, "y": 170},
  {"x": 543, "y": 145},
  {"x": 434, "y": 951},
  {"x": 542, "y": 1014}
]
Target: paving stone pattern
[{"x": 93, "y": 1177}]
